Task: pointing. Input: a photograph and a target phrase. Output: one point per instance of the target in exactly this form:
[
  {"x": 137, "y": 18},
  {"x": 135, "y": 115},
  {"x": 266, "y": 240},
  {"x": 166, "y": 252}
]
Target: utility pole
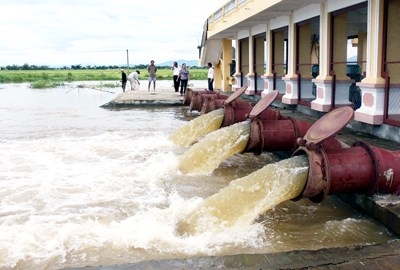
[{"x": 127, "y": 60}]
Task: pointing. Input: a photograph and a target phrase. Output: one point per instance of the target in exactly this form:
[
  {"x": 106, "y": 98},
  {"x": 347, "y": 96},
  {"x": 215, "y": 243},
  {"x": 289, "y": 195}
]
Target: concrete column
[
  {"x": 237, "y": 74},
  {"x": 225, "y": 67},
  {"x": 292, "y": 54},
  {"x": 291, "y": 79},
  {"x": 250, "y": 75},
  {"x": 323, "y": 81},
  {"x": 324, "y": 44},
  {"x": 373, "y": 85},
  {"x": 268, "y": 76}
]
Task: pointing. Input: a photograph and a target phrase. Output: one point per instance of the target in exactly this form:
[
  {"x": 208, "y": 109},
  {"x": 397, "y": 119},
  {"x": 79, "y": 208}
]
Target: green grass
[
  {"x": 45, "y": 84},
  {"x": 52, "y": 78}
]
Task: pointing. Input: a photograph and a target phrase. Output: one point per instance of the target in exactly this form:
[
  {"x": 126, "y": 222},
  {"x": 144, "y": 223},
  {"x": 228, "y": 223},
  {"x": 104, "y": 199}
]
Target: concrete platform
[
  {"x": 160, "y": 97},
  {"x": 385, "y": 208}
]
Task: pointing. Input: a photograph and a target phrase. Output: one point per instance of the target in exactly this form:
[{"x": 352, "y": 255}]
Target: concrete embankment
[{"x": 385, "y": 256}]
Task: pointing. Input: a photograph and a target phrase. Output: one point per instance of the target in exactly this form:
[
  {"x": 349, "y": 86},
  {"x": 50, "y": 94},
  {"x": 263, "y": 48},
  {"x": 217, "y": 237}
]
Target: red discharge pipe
[
  {"x": 238, "y": 112},
  {"x": 362, "y": 168},
  {"x": 198, "y": 97},
  {"x": 275, "y": 135},
  {"x": 280, "y": 135},
  {"x": 213, "y": 102},
  {"x": 187, "y": 98}
]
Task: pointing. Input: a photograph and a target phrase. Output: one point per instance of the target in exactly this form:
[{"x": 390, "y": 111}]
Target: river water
[{"x": 82, "y": 185}]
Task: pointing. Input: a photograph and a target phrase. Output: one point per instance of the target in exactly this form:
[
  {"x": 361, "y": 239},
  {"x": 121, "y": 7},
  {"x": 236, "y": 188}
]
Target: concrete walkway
[{"x": 163, "y": 96}]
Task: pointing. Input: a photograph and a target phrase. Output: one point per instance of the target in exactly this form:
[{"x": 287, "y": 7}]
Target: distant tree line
[{"x": 77, "y": 67}]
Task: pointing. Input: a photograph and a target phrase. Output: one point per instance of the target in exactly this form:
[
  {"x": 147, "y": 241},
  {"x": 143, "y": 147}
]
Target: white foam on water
[{"x": 95, "y": 200}]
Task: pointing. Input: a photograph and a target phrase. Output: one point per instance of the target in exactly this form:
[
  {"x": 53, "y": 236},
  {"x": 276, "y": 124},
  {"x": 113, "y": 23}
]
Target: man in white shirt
[
  {"x": 210, "y": 77},
  {"x": 133, "y": 78},
  {"x": 176, "y": 70}
]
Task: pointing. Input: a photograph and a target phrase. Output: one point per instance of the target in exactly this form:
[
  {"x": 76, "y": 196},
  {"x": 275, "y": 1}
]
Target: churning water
[{"x": 82, "y": 185}]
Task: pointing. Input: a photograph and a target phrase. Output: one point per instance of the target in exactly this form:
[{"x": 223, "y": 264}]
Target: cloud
[{"x": 44, "y": 32}]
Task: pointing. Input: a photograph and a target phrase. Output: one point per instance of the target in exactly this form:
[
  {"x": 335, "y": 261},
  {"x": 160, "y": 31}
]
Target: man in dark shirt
[
  {"x": 123, "y": 79},
  {"x": 210, "y": 77},
  {"x": 152, "y": 70}
]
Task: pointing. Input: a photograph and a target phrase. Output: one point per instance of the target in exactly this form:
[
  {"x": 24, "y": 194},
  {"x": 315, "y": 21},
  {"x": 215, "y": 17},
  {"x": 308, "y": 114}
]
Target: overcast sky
[{"x": 99, "y": 32}]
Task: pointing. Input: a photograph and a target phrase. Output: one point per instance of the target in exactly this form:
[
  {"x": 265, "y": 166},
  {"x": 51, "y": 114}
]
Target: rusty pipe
[
  {"x": 237, "y": 112},
  {"x": 280, "y": 134},
  {"x": 187, "y": 98},
  {"x": 214, "y": 102},
  {"x": 275, "y": 135},
  {"x": 362, "y": 168},
  {"x": 198, "y": 98},
  {"x": 269, "y": 131}
]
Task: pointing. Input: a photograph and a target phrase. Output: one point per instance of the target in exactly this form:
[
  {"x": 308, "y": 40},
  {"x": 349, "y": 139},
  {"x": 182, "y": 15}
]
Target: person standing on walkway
[
  {"x": 152, "y": 70},
  {"x": 123, "y": 79},
  {"x": 210, "y": 77},
  {"x": 133, "y": 79},
  {"x": 184, "y": 77},
  {"x": 176, "y": 69}
]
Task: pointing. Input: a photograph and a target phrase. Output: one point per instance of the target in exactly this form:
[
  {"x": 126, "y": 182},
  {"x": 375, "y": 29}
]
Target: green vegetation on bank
[{"x": 52, "y": 78}]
